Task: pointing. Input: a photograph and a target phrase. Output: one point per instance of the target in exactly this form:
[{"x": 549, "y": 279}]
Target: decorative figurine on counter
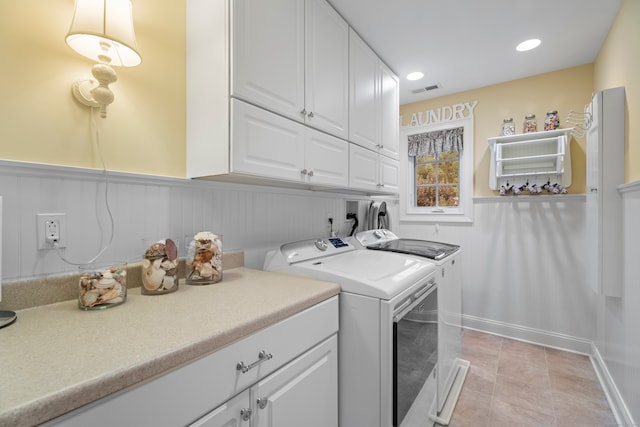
[
  {"x": 160, "y": 268},
  {"x": 204, "y": 259}
]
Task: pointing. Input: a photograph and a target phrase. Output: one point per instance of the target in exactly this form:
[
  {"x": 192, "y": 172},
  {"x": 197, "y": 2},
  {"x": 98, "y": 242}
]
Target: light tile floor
[{"x": 512, "y": 383}]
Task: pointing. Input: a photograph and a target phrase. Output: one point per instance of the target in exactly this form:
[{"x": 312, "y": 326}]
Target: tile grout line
[
  {"x": 495, "y": 381},
  {"x": 553, "y": 401}
]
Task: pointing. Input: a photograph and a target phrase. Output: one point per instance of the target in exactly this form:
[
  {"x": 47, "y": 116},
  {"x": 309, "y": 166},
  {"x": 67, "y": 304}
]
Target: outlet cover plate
[{"x": 41, "y": 220}]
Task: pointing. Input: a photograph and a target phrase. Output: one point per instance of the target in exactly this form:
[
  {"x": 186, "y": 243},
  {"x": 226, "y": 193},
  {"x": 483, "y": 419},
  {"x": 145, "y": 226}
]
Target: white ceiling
[{"x": 467, "y": 44}]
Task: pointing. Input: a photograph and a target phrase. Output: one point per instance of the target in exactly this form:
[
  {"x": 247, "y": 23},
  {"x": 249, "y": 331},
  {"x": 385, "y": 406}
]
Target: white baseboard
[
  {"x": 524, "y": 333},
  {"x": 561, "y": 342},
  {"x": 619, "y": 408}
]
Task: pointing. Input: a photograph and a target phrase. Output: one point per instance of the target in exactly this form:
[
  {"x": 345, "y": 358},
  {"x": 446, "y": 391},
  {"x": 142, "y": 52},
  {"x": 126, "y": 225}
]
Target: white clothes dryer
[{"x": 451, "y": 368}]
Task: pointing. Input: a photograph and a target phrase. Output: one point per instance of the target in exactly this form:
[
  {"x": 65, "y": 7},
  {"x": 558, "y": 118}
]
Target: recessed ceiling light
[
  {"x": 528, "y": 45},
  {"x": 415, "y": 76}
]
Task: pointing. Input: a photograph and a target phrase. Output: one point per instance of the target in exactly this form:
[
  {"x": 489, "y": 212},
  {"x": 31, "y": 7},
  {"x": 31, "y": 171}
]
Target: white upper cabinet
[
  {"x": 363, "y": 94},
  {"x": 292, "y": 57},
  {"x": 268, "y": 54},
  {"x": 373, "y": 100},
  {"x": 265, "y": 144},
  {"x": 308, "y": 86},
  {"x": 274, "y": 147},
  {"x": 389, "y": 113},
  {"x": 326, "y": 159},
  {"x": 372, "y": 171},
  {"x": 327, "y": 69}
]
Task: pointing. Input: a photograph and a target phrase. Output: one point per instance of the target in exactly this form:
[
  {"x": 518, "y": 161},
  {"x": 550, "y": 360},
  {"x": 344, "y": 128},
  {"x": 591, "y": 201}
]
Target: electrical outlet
[{"x": 50, "y": 228}]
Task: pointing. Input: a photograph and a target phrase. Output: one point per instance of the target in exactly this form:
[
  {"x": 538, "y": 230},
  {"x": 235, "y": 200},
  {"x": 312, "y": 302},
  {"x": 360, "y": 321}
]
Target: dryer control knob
[{"x": 321, "y": 245}]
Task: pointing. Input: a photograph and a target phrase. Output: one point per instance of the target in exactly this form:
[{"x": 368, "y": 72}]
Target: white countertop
[{"x": 56, "y": 357}]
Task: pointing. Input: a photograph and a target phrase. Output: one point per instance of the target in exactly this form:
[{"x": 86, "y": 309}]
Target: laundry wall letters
[{"x": 443, "y": 114}]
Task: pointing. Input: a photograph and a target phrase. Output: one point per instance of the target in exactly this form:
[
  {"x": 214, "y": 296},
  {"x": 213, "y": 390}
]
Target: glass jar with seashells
[
  {"x": 160, "y": 268},
  {"x": 204, "y": 259},
  {"x": 102, "y": 285}
]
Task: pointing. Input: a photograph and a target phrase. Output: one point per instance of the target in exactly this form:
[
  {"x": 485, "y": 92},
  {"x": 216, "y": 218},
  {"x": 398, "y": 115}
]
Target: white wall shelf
[{"x": 538, "y": 156}]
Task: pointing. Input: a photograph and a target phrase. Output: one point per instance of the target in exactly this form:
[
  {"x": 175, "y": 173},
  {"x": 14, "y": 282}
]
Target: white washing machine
[
  {"x": 379, "y": 291},
  {"x": 451, "y": 367}
]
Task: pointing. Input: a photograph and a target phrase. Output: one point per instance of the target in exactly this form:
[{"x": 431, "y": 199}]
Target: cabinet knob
[
  {"x": 262, "y": 403},
  {"x": 593, "y": 189},
  {"x": 303, "y": 172},
  {"x": 303, "y": 112},
  {"x": 310, "y": 173},
  {"x": 310, "y": 115},
  {"x": 245, "y": 413}
]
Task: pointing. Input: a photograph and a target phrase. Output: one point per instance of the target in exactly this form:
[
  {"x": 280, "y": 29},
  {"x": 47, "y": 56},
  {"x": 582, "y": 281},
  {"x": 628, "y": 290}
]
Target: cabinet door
[
  {"x": 304, "y": 392},
  {"x": 363, "y": 93},
  {"x": 327, "y": 159},
  {"x": 389, "y": 174},
  {"x": 268, "y": 54},
  {"x": 234, "y": 413},
  {"x": 327, "y": 69},
  {"x": 363, "y": 168},
  {"x": 390, "y": 118},
  {"x": 265, "y": 144}
]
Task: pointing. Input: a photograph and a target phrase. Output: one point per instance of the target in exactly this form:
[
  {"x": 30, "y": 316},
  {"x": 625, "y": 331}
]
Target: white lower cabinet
[
  {"x": 236, "y": 412},
  {"x": 371, "y": 171},
  {"x": 290, "y": 379},
  {"x": 283, "y": 399}
]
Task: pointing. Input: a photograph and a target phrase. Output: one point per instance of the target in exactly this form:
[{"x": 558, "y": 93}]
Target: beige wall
[
  {"x": 40, "y": 121},
  {"x": 618, "y": 64},
  {"x": 563, "y": 90},
  {"x": 145, "y": 131}
]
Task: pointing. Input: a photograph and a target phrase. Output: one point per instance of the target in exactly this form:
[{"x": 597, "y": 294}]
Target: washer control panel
[{"x": 314, "y": 248}]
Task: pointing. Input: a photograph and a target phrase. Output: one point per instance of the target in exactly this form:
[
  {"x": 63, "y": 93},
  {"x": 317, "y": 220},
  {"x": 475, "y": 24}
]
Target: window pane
[
  {"x": 426, "y": 196},
  {"x": 448, "y": 172},
  {"x": 426, "y": 173},
  {"x": 425, "y": 158},
  {"x": 449, "y": 155},
  {"x": 448, "y": 195}
]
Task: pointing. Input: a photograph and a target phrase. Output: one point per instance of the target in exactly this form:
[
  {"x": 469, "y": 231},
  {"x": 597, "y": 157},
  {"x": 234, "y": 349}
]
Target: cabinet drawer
[{"x": 187, "y": 393}]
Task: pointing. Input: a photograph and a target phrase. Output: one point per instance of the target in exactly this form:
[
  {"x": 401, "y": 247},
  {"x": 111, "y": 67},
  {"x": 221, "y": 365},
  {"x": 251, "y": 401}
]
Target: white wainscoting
[
  {"x": 524, "y": 268},
  {"x": 253, "y": 219},
  {"x": 618, "y": 339}
]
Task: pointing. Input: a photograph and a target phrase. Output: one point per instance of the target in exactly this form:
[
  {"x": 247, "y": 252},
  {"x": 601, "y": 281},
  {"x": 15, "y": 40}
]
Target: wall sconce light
[{"x": 102, "y": 30}]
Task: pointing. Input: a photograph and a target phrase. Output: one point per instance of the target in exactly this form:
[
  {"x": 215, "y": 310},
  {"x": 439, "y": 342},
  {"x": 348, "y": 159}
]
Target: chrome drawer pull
[{"x": 263, "y": 356}]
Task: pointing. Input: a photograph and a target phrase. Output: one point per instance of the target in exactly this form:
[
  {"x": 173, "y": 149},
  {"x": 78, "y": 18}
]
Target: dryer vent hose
[{"x": 354, "y": 217}]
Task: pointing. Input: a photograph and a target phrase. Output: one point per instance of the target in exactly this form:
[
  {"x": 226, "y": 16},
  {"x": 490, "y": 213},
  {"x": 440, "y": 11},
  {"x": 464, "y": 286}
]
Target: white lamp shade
[{"x": 100, "y": 23}]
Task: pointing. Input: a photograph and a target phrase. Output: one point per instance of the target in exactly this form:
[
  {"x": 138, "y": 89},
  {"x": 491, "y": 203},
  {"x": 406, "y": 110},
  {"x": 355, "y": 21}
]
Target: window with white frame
[{"x": 436, "y": 167}]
